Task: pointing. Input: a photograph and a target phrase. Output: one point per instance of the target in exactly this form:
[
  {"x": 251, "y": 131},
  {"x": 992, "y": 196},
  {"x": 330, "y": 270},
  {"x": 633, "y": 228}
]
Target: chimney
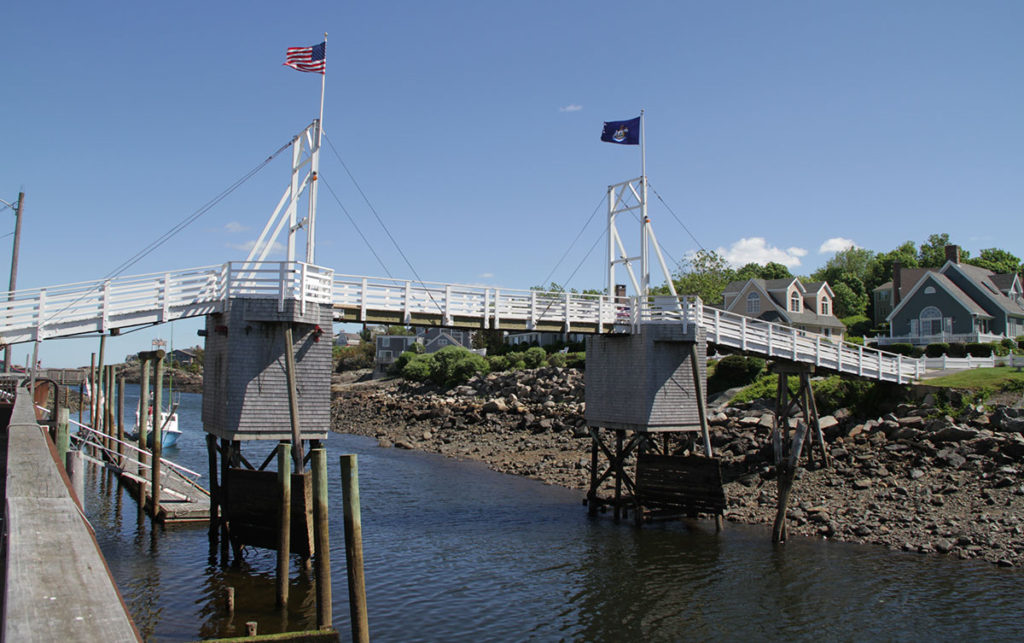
[
  {"x": 953, "y": 254},
  {"x": 897, "y": 282}
]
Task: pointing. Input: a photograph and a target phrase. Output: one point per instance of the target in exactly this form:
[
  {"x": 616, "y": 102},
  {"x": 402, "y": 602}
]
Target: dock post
[
  {"x": 354, "y": 549},
  {"x": 284, "y": 521},
  {"x": 321, "y": 538},
  {"x": 74, "y": 464},
  {"x": 63, "y": 438},
  {"x": 120, "y": 419},
  {"x": 158, "y": 446},
  {"x": 143, "y": 408},
  {"x": 293, "y": 398},
  {"x": 211, "y": 452},
  {"x": 92, "y": 391},
  {"x": 97, "y": 395}
]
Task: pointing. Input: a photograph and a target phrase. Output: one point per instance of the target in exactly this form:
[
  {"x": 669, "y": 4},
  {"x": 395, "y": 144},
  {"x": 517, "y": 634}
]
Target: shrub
[
  {"x": 734, "y": 370},
  {"x": 498, "y": 362},
  {"x": 1008, "y": 343},
  {"x": 576, "y": 360},
  {"x": 535, "y": 357},
  {"x": 859, "y": 341},
  {"x": 557, "y": 359},
  {"x": 905, "y": 349},
  {"x": 957, "y": 349},
  {"x": 399, "y": 364},
  {"x": 977, "y": 349},
  {"x": 1000, "y": 349},
  {"x": 454, "y": 365},
  {"x": 1020, "y": 341},
  {"x": 419, "y": 368},
  {"x": 857, "y": 324},
  {"x": 350, "y": 358},
  {"x": 937, "y": 349}
]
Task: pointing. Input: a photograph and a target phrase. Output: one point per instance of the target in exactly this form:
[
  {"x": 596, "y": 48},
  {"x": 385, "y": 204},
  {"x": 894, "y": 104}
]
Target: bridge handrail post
[
  {"x": 879, "y": 353},
  {"x": 165, "y": 308},
  {"x": 40, "y": 314},
  {"x": 533, "y": 310},
  {"x": 105, "y": 306},
  {"x": 769, "y": 331},
  {"x": 743, "y": 333},
  {"x": 568, "y": 324},
  {"x": 303, "y": 275},
  {"x": 448, "y": 305},
  {"x": 362, "y": 301},
  {"x": 718, "y": 325},
  {"x": 860, "y": 361},
  {"x": 497, "y": 308},
  {"x": 795, "y": 354},
  {"x": 282, "y": 272},
  {"x": 686, "y": 314}
]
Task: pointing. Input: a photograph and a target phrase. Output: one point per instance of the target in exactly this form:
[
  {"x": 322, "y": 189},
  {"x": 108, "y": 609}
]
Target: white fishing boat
[{"x": 169, "y": 423}]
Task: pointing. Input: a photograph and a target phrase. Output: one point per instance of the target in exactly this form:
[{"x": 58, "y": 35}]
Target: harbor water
[{"x": 455, "y": 552}]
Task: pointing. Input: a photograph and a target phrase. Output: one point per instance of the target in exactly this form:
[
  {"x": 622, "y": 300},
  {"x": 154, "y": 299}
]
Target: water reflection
[{"x": 455, "y": 552}]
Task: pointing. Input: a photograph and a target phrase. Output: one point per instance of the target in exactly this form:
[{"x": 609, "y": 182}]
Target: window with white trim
[
  {"x": 825, "y": 307},
  {"x": 794, "y": 302},
  {"x": 753, "y": 303},
  {"x": 931, "y": 321}
]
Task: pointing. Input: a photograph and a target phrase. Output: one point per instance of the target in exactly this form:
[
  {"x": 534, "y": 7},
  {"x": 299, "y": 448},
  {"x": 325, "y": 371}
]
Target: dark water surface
[{"x": 454, "y": 552}]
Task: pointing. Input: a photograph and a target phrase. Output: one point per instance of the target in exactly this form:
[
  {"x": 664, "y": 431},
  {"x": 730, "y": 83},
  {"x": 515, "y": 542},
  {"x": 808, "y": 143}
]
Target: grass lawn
[{"x": 998, "y": 378}]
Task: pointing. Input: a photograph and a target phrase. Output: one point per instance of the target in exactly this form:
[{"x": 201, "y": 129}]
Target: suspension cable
[
  {"x": 380, "y": 221},
  {"x": 355, "y": 225},
  {"x": 571, "y": 245}
]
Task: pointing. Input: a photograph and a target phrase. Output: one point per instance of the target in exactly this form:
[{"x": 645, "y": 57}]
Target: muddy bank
[{"x": 912, "y": 479}]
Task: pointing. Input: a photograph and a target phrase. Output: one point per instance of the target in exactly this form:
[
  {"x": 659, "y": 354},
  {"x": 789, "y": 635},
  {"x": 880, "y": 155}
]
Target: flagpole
[
  {"x": 645, "y": 276},
  {"x": 315, "y": 167}
]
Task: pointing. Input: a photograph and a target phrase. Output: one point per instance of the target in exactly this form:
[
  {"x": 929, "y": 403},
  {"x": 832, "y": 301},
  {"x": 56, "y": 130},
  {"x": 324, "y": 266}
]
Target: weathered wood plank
[{"x": 57, "y": 586}]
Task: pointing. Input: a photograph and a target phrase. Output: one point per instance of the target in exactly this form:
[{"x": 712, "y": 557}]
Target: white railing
[
  {"x": 97, "y": 306},
  {"x": 962, "y": 363},
  {"x": 482, "y": 306},
  {"x": 786, "y": 342},
  {"x": 940, "y": 338},
  {"x": 126, "y": 301}
]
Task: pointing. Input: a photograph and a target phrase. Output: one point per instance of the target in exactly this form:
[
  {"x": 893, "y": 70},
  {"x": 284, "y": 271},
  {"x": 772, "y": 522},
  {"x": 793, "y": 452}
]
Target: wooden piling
[
  {"x": 92, "y": 391},
  {"x": 74, "y": 464},
  {"x": 230, "y": 601},
  {"x": 293, "y": 399},
  {"x": 120, "y": 419},
  {"x": 143, "y": 406},
  {"x": 97, "y": 393},
  {"x": 786, "y": 474},
  {"x": 211, "y": 453},
  {"x": 321, "y": 539},
  {"x": 250, "y": 628},
  {"x": 63, "y": 436},
  {"x": 354, "y": 549},
  {"x": 284, "y": 521},
  {"x": 158, "y": 447}
]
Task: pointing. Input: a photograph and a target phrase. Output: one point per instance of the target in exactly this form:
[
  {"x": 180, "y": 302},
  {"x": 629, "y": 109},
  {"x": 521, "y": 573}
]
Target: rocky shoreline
[{"x": 911, "y": 479}]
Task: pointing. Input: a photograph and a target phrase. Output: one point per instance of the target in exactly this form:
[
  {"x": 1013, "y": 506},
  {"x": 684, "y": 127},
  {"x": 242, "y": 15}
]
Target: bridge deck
[
  {"x": 56, "y": 586},
  {"x": 127, "y": 301}
]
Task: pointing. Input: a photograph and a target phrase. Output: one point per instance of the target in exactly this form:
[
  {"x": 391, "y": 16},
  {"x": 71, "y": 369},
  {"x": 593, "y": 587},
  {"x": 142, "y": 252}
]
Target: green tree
[
  {"x": 770, "y": 270},
  {"x": 881, "y": 268},
  {"x": 852, "y": 263},
  {"x": 932, "y": 253},
  {"x": 998, "y": 261},
  {"x": 398, "y": 330},
  {"x": 850, "y": 297},
  {"x": 705, "y": 274}
]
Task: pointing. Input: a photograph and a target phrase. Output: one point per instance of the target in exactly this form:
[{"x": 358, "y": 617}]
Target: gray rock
[{"x": 953, "y": 434}]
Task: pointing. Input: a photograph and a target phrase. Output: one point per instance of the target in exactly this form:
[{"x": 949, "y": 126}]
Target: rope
[
  {"x": 167, "y": 236},
  {"x": 354, "y": 225},
  {"x": 330, "y": 143},
  {"x": 578, "y": 235}
]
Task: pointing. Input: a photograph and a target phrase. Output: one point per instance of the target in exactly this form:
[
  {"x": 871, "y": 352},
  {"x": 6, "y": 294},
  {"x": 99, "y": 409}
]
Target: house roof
[
  {"x": 946, "y": 284},
  {"x": 1004, "y": 282},
  {"x": 908, "y": 279},
  {"x": 983, "y": 277},
  {"x": 769, "y": 289}
]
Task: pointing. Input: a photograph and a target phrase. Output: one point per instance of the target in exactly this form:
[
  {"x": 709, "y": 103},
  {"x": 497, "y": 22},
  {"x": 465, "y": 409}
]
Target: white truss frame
[{"x": 626, "y": 197}]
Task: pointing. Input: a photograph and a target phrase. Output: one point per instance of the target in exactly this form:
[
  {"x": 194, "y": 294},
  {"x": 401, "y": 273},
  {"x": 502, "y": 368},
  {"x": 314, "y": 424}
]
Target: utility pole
[{"x": 14, "y": 267}]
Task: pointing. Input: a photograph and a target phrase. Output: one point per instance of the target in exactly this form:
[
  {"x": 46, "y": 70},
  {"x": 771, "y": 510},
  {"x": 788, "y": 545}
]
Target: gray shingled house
[
  {"x": 807, "y": 307},
  {"x": 957, "y": 303}
]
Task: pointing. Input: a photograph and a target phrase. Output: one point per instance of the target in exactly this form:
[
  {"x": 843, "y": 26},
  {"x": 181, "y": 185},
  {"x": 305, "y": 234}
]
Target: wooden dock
[
  {"x": 181, "y": 499},
  {"x": 57, "y": 586}
]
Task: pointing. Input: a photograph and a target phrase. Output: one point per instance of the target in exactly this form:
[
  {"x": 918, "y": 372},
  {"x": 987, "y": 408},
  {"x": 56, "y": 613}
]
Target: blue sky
[{"x": 472, "y": 128}]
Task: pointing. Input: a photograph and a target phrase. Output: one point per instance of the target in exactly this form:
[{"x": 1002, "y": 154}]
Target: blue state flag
[{"x": 622, "y": 132}]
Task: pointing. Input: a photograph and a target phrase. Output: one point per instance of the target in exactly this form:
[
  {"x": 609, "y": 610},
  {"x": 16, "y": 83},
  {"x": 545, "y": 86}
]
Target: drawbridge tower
[
  {"x": 646, "y": 401},
  {"x": 267, "y": 371}
]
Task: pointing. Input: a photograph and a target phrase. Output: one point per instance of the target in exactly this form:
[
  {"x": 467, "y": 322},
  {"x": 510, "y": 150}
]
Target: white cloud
[
  {"x": 757, "y": 250},
  {"x": 235, "y": 226},
  {"x": 248, "y": 245},
  {"x": 570, "y": 108},
  {"x": 486, "y": 275},
  {"x": 836, "y": 244}
]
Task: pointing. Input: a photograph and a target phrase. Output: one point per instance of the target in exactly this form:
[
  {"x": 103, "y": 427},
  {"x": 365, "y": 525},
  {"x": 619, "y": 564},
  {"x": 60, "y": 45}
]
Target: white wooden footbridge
[
  {"x": 101, "y": 306},
  {"x": 107, "y": 305}
]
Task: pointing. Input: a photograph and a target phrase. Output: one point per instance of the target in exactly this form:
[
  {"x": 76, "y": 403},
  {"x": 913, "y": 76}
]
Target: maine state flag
[{"x": 622, "y": 132}]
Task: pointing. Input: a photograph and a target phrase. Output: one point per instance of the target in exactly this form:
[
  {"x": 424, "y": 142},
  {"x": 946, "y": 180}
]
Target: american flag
[{"x": 312, "y": 59}]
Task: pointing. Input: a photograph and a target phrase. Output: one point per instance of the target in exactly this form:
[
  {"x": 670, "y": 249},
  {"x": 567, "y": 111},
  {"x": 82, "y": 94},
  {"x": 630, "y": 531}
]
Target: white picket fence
[{"x": 963, "y": 363}]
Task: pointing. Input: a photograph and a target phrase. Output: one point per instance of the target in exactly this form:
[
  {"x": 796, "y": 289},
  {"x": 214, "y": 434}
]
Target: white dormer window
[
  {"x": 753, "y": 303},
  {"x": 794, "y": 302},
  {"x": 824, "y": 308}
]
